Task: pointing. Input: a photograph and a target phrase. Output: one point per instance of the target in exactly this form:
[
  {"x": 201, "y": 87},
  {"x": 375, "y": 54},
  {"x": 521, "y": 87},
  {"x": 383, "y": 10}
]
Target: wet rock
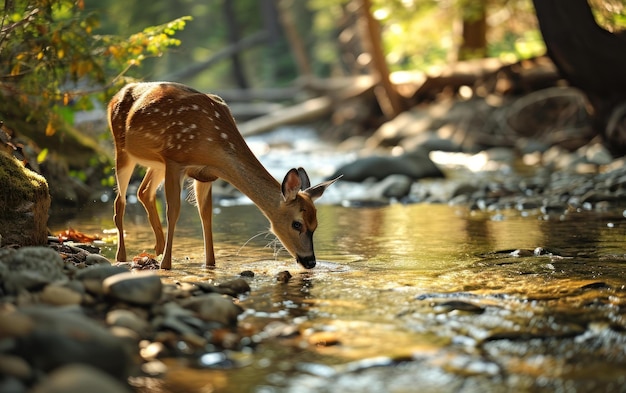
[
  {"x": 247, "y": 273},
  {"x": 596, "y": 285},
  {"x": 60, "y": 337},
  {"x": 237, "y": 286},
  {"x": 324, "y": 339},
  {"x": 213, "y": 307},
  {"x": 283, "y": 276},
  {"x": 78, "y": 378},
  {"x": 458, "y": 305},
  {"x": 142, "y": 288}
]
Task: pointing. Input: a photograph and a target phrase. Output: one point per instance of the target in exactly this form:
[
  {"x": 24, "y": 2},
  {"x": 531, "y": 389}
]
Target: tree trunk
[
  {"x": 474, "y": 45},
  {"x": 590, "y": 58},
  {"x": 298, "y": 48},
  {"x": 389, "y": 99},
  {"x": 233, "y": 38}
]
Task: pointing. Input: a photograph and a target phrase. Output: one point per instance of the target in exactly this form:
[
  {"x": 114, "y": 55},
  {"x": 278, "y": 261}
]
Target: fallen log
[{"x": 306, "y": 111}]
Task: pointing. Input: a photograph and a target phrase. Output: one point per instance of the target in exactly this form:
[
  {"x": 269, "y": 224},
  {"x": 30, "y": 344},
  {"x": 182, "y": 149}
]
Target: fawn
[{"x": 176, "y": 131}]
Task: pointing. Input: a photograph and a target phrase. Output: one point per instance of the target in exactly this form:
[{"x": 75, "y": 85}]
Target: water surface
[{"x": 411, "y": 295}]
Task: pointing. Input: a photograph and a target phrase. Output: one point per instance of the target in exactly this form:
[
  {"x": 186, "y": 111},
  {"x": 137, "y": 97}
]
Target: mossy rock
[{"x": 24, "y": 204}]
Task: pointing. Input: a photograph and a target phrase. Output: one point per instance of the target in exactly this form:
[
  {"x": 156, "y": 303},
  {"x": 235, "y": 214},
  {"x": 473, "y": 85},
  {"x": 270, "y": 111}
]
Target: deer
[{"x": 176, "y": 132}]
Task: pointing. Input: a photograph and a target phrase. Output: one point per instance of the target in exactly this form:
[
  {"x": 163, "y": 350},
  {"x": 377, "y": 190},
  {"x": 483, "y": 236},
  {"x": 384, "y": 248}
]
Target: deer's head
[{"x": 296, "y": 220}]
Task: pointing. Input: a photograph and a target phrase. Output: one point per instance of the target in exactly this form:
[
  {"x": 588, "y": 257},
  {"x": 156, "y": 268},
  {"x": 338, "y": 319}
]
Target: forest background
[{"x": 61, "y": 57}]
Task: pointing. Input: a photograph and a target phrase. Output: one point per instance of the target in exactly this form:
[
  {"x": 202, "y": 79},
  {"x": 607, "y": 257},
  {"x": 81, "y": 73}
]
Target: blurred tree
[
  {"x": 50, "y": 59},
  {"x": 474, "y": 30}
]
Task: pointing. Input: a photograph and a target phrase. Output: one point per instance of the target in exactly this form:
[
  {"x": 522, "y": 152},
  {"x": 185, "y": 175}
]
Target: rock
[
  {"x": 78, "y": 378},
  {"x": 239, "y": 286},
  {"x": 14, "y": 366},
  {"x": 10, "y": 384},
  {"x": 142, "y": 288},
  {"x": 596, "y": 154},
  {"x": 179, "y": 320},
  {"x": 128, "y": 319},
  {"x": 23, "y": 206},
  {"x": 415, "y": 165},
  {"x": 93, "y": 277},
  {"x": 14, "y": 324},
  {"x": 247, "y": 273},
  {"x": 213, "y": 307},
  {"x": 30, "y": 268},
  {"x": 393, "y": 186},
  {"x": 60, "y": 337},
  {"x": 59, "y": 296},
  {"x": 97, "y": 259},
  {"x": 283, "y": 276}
]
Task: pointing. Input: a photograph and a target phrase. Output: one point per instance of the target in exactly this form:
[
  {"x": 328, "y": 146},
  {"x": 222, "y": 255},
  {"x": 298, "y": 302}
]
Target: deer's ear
[
  {"x": 304, "y": 178},
  {"x": 316, "y": 191},
  {"x": 292, "y": 183}
]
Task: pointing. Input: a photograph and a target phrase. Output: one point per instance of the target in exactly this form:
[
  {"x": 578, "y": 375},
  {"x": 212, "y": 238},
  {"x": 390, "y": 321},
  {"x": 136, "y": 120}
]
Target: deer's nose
[{"x": 307, "y": 261}]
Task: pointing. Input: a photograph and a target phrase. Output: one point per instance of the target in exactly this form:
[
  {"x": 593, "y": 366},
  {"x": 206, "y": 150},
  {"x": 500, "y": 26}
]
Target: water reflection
[{"x": 437, "y": 286}]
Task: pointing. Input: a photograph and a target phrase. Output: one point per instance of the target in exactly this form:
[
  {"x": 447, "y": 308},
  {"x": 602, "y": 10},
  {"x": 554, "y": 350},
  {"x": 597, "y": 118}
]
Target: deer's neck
[{"x": 251, "y": 178}]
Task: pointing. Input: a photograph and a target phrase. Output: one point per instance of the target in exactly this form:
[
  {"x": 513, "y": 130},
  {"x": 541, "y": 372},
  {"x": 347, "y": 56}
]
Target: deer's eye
[{"x": 297, "y": 225}]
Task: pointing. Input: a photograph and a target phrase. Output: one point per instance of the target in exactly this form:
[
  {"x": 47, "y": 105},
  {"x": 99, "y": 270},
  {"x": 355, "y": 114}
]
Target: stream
[
  {"x": 410, "y": 295},
  {"x": 404, "y": 298}
]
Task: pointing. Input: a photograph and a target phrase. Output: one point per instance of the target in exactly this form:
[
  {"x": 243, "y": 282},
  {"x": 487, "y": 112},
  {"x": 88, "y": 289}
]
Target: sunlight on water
[{"x": 434, "y": 284}]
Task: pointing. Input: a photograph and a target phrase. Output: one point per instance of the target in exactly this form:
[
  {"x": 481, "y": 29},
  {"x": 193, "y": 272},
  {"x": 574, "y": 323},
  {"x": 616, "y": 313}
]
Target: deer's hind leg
[
  {"x": 124, "y": 166},
  {"x": 147, "y": 196}
]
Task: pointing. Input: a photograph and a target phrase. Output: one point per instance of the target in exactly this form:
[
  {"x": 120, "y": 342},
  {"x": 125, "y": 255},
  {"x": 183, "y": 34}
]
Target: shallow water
[{"x": 410, "y": 298}]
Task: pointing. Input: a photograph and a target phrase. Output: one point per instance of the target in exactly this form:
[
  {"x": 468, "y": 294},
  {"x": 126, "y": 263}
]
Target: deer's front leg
[
  {"x": 173, "y": 182},
  {"x": 147, "y": 196},
  {"x": 205, "y": 208}
]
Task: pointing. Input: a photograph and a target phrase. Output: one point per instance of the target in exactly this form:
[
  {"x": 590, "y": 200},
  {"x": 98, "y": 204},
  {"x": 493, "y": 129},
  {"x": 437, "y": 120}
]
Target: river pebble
[
  {"x": 143, "y": 288},
  {"x": 62, "y": 306},
  {"x": 213, "y": 307},
  {"x": 77, "y": 378},
  {"x": 128, "y": 319},
  {"x": 60, "y": 295}
]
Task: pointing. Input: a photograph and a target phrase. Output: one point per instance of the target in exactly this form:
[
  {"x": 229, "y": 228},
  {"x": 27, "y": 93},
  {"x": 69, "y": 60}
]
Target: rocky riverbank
[{"x": 70, "y": 321}]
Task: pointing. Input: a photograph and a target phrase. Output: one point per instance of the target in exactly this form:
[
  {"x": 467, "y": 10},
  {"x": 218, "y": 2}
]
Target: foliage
[
  {"x": 50, "y": 59},
  {"x": 610, "y": 14}
]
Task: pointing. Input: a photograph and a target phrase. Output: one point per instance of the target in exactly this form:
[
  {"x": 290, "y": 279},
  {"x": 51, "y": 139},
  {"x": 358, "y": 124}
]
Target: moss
[
  {"x": 24, "y": 203},
  {"x": 18, "y": 184}
]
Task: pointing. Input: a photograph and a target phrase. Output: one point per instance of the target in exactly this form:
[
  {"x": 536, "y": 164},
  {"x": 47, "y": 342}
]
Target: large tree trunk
[{"x": 590, "y": 58}]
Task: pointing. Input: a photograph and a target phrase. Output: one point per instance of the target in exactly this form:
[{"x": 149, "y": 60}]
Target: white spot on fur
[{"x": 224, "y": 135}]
